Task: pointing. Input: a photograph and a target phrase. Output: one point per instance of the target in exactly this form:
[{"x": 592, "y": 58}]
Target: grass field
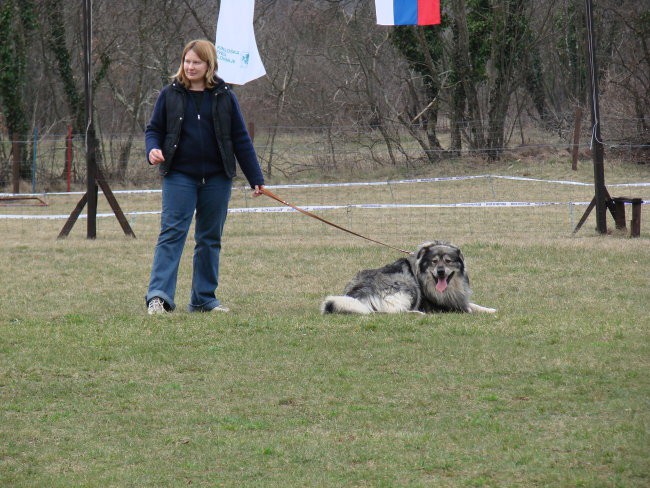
[{"x": 553, "y": 390}]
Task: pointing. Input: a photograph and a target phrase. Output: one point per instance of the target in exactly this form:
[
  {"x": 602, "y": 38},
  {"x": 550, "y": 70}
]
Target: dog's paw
[{"x": 474, "y": 308}]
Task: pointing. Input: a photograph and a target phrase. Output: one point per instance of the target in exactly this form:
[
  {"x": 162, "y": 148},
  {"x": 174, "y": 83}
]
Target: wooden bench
[
  {"x": 619, "y": 214},
  {"x": 16, "y": 199}
]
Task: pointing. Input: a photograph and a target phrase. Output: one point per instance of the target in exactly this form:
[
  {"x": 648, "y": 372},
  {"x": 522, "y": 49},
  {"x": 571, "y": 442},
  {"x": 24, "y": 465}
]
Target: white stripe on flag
[
  {"x": 385, "y": 12},
  {"x": 237, "y": 54}
]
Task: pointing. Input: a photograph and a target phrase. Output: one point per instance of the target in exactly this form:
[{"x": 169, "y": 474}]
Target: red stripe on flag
[{"x": 428, "y": 12}]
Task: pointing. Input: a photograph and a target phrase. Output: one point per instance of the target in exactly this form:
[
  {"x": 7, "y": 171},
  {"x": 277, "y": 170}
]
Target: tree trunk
[
  {"x": 465, "y": 75},
  {"x": 66, "y": 73}
]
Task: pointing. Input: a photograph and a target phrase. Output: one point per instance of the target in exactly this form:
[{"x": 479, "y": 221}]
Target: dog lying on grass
[{"x": 433, "y": 279}]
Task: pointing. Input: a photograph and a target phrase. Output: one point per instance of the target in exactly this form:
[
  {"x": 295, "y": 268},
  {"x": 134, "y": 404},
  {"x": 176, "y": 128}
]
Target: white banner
[{"x": 237, "y": 54}]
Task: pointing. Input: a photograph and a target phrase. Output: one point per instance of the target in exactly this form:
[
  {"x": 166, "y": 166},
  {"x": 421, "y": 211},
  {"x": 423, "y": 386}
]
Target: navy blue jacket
[{"x": 206, "y": 145}]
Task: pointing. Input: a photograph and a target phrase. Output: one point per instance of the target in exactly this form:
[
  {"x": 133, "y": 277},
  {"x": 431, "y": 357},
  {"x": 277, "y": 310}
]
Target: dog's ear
[
  {"x": 461, "y": 259},
  {"x": 460, "y": 256},
  {"x": 421, "y": 252},
  {"x": 416, "y": 259}
]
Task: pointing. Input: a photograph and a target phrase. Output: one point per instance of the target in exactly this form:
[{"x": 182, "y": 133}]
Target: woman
[{"x": 194, "y": 136}]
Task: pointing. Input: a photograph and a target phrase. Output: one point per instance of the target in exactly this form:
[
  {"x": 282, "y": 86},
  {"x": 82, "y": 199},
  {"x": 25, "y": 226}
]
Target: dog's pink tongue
[{"x": 441, "y": 285}]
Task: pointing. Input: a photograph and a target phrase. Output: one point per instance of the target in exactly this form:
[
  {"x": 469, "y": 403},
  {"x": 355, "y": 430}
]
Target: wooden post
[
  {"x": 635, "y": 223},
  {"x": 577, "y": 123},
  {"x": 108, "y": 193},
  {"x": 15, "y": 149},
  {"x": 68, "y": 156},
  {"x": 619, "y": 213},
  {"x": 599, "y": 172},
  {"x": 74, "y": 215},
  {"x": 91, "y": 150},
  {"x": 34, "y": 152},
  {"x": 91, "y": 185}
]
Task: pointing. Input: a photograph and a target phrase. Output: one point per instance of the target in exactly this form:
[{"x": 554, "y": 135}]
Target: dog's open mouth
[{"x": 442, "y": 282}]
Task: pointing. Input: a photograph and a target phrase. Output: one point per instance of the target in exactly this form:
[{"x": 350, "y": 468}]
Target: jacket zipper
[{"x": 198, "y": 118}]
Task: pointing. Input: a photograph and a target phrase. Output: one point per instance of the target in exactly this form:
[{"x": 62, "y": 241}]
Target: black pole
[
  {"x": 91, "y": 150},
  {"x": 596, "y": 140}
]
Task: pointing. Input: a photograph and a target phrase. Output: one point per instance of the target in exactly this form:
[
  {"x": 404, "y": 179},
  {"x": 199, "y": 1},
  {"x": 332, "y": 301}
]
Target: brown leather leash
[{"x": 272, "y": 195}]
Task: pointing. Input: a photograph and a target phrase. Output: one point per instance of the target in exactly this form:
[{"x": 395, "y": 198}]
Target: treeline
[{"x": 492, "y": 65}]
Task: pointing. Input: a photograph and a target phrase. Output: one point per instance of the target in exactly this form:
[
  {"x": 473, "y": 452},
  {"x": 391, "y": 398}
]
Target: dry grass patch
[{"x": 551, "y": 391}]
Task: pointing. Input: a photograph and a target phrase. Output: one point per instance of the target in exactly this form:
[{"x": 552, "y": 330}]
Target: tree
[
  {"x": 492, "y": 50},
  {"x": 510, "y": 35},
  {"x": 17, "y": 23},
  {"x": 469, "y": 54},
  {"x": 629, "y": 70},
  {"x": 332, "y": 71},
  {"x": 422, "y": 48},
  {"x": 137, "y": 68},
  {"x": 63, "y": 54}
]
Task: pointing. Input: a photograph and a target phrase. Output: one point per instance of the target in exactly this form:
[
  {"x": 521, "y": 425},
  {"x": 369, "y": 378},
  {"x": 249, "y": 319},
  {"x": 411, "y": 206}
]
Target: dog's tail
[
  {"x": 474, "y": 308},
  {"x": 344, "y": 304}
]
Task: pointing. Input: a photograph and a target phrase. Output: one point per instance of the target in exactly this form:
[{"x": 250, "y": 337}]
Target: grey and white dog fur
[{"x": 432, "y": 279}]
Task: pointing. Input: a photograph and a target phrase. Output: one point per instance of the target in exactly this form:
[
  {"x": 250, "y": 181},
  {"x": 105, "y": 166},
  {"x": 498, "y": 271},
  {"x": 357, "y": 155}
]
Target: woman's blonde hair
[{"x": 206, "y": 51}]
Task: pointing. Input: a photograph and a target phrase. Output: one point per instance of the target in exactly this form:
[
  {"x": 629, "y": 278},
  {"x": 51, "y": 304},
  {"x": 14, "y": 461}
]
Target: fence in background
[
  {"x": 51, "y": 163},
  {"x": 402, "y": 212}
]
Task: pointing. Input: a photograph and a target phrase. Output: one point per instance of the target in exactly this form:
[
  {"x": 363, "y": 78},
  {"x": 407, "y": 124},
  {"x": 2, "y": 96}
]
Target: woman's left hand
[{"x": 259, "y": 190}]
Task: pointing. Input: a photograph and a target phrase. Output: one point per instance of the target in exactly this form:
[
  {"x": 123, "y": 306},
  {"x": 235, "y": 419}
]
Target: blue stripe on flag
[{"x": 405, "y": 12}]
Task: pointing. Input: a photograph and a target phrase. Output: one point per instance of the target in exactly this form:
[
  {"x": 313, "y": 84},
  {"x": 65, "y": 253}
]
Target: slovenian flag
[{"x": 408, "y": 12}]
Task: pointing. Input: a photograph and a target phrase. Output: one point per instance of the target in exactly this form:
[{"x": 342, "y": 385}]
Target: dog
[{"x": 430, "y": 280}]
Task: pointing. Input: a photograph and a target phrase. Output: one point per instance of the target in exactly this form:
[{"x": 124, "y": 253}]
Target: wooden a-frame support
[
  {"x": 101, "y": 182},
  {"x": 609, "y": 203},
  {"x": 94, "y": 176}
]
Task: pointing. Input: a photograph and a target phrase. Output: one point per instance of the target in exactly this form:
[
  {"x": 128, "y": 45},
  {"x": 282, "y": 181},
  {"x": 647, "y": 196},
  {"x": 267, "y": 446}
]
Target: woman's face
[{"x": 195, "y": 68}]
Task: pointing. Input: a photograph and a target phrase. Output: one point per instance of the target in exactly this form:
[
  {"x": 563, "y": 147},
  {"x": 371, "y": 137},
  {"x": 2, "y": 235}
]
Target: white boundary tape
[
  {"x": 327, "y": 207},
  {"x": 369, "y": 183},
  {"x": 336, "y": 207}
]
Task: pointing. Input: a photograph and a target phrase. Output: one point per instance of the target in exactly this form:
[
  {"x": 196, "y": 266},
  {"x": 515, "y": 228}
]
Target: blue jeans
[{"x": 182, "y": 195}]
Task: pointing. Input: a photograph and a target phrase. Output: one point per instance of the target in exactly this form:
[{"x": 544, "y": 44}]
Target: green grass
[{"x": 553, "y": 390}]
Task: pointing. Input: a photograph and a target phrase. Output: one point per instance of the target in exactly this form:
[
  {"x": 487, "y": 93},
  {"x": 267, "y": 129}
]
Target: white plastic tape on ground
[
  {"x": 364, "y": 183},
  {"x": 336, "y": 207},
  {"x": 312, "y": 208}
]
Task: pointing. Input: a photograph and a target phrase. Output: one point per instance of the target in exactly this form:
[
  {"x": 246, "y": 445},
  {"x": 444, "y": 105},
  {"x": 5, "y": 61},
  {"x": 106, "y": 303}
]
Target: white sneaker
[
  {"x": 156, "y": 306},
  {"x": 220, "y": 308}
]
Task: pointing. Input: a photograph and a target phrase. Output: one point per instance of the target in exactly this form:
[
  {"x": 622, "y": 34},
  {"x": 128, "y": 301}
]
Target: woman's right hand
[{"x": 156, "y": 156}]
